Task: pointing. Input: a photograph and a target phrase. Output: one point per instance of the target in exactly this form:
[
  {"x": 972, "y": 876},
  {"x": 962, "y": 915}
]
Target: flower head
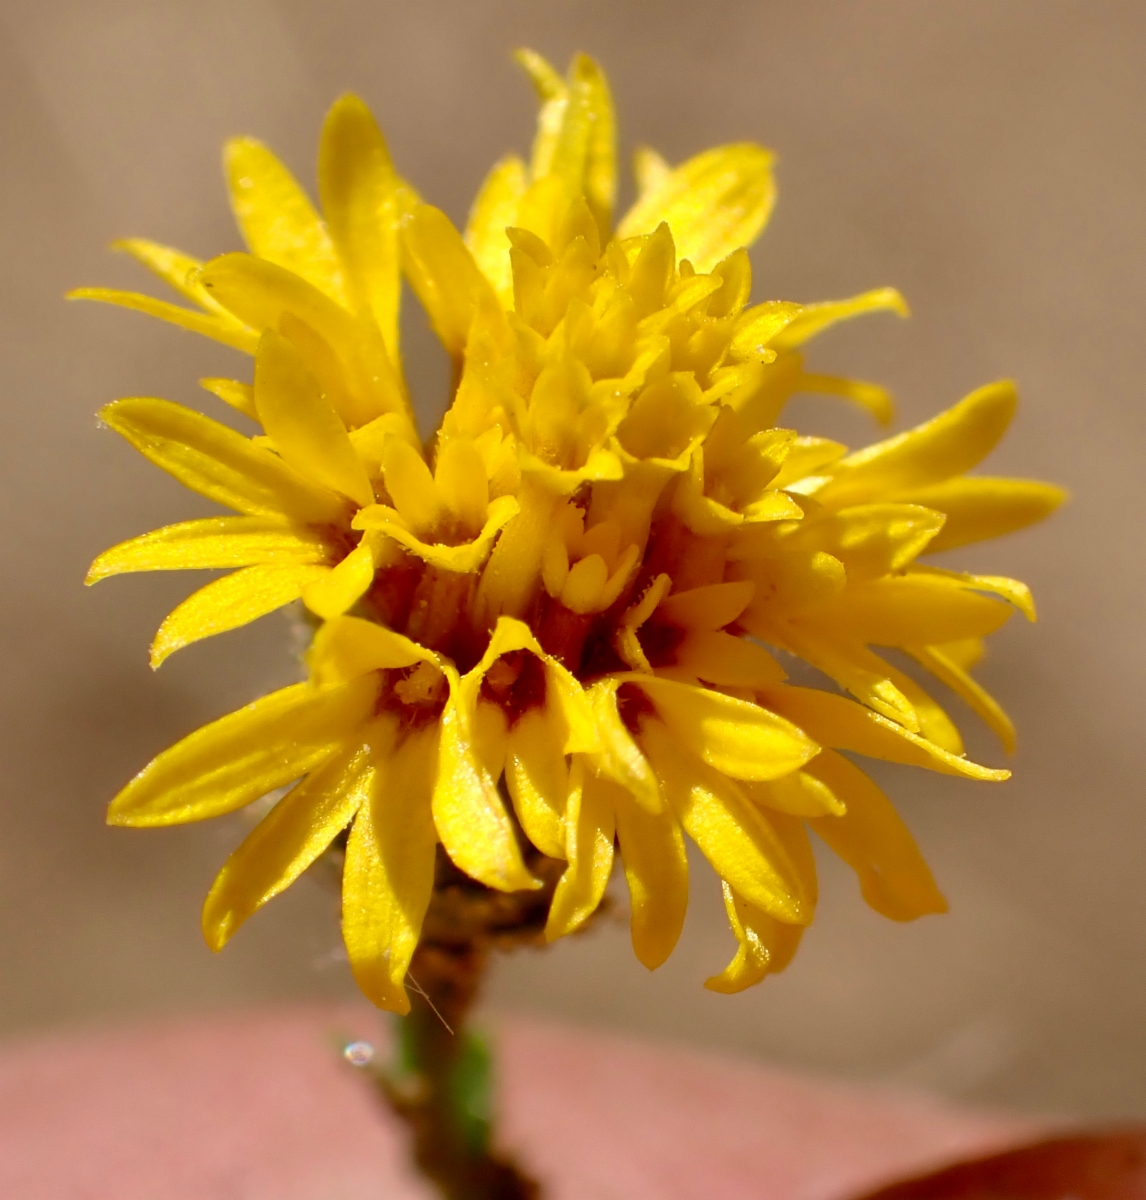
[{"x": 551, "y": 628}]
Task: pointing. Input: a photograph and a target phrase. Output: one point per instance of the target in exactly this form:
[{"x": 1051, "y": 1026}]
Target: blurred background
[{"x": 986, "y": 156}]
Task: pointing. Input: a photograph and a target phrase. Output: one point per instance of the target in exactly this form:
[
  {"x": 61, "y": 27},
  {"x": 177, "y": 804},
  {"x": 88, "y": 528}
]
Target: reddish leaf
[{"x": 1108, "y": 1166}]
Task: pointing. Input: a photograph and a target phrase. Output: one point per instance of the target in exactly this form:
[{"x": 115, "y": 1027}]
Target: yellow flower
[{"x": 548, "y": 626}]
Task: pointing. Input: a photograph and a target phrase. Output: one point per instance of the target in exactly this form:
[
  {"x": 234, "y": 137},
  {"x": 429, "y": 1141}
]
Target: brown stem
[{"x": 465, "y": 922}]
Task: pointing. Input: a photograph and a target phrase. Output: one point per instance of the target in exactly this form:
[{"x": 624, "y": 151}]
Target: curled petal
[
  {"x": 765, "y": 946},
  {"x": 462, "y": 559}
]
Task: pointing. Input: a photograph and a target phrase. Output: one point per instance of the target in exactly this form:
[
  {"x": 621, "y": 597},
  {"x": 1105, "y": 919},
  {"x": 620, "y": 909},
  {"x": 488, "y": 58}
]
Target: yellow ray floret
[{"x": 557, "y": 628}]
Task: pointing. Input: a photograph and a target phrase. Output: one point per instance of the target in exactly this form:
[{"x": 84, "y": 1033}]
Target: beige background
[{"x": 984, "y": 155}]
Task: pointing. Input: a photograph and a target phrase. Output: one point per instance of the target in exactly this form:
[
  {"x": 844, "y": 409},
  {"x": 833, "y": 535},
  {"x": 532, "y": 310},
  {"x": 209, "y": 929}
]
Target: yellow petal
[
  {"x": 815, "y": 318},
  {"x": 584, "y": 152},
  {"x": 589, "y": 832},
  {"x": 966, "y": 653},
  {"x": 219, "y": 463},
  {"x": 875, "y": 843},
  {"x": 714, "y": 204},
  {"x": 359, "y": 193},
  {"x": 711, "y": 607},
  {"x": 567, "y": 709},
  {"x": 934, "y": 724},
  {"x": 510, "y": 579},
  {"x": 619, "y": 758},
  {"x": 338, "y": 590},
  {"x": 537, "y": 778},
  {"x": 495, "y": 209},
  {"x": 1014, "y": 591},
  {"x": 650, "y": 170},
  {"x": 554, "y": 95},
  {"x": 475, "y": 830},
  {"x": 734, "y": 736},
  {"x": 411, "y": 486},
  {"x": 806, "y": 456},
  {"x": 565, "y": 696},
  {"x": 462, "y": 559},
  {"x": 798, "y": 795},
  {"x": 940, "y": 449},
  {"x": 731, "y": 832},
  {"x": 213, "y": 542},
  {"x": 175, "y": 268},
  {"x": 845, "y": 725},
  {"x": 584, "y": 586},
  {"x": 459, "y": 474},
  {"x": 389, "y": 873},
  {"x": 727, "y": 661},
  {"x": 869, "y": 396},
  {"x": 601, "y": 154},
  {"x": 240, "y": 396},
  {"x": 348, "y": 647},
  {"x": 444, "y": 275},
  {"x": 236, "y": 599},
  {"x": 656, "y": 870},
  {"x": 227, "y": 330},
  {"x": 973, "y": 694},
  {"x": 853, "y": 667},
  {"x": 978, "y": 508},
  {"x": 286, "y": 841},
  {"x": 301, "y": 422},
  {"x": 278, "y": 221},
  {"x": 756, "y": 329},
  {"x": 911, "y": 610},
  {"x": 872, "y": 540},
  {"x": 489, "y": 731},
  {"x": 266, "y": 296},
  {"x": 765, "y": 946},
  {"x": 245, "y": 755}
]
